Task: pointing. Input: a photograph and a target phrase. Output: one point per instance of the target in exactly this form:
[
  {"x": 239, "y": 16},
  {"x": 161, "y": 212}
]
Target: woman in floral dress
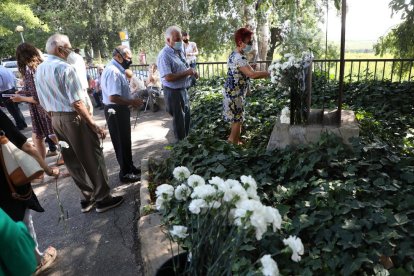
[
  {"x": 238, "y": 82},
  {"x": 28, "y": 58}
]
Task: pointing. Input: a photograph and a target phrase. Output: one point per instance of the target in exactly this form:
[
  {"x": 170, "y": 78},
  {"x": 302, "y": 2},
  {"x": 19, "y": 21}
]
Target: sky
[{"x": 366, "y": 20}]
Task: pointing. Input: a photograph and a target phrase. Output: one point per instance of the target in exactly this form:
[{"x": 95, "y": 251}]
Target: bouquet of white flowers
[
  {"x": 220, "y": 223},
  {"x": 289, "y": 74}
]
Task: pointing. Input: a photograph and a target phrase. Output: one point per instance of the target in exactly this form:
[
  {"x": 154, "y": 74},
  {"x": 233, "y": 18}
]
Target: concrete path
[{"x": 106, "y": 243}]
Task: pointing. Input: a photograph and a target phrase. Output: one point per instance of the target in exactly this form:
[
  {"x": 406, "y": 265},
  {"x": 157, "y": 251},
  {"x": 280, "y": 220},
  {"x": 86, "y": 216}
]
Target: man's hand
[
  {"x": 100, "y": 131},
  {"x": 190, "y": 72},
  {"x": 52, "y": 171},
  {"x": 136, "y": 102}
]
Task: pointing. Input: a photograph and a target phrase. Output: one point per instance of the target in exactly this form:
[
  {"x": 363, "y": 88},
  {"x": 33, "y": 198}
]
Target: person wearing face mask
[
  {"x": 237, "y": 83},
  {"x": 60, "y": 92},
  {"x": 175, "y": 76},
  {"x": 117, "y": 96}
]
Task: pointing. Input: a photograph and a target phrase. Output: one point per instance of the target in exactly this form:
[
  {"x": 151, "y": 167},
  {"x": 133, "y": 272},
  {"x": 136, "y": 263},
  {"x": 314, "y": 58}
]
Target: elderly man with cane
[{"x": 61, "y": 94}]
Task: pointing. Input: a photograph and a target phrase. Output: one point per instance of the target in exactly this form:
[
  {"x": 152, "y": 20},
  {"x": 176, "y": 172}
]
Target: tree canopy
[
  {"x": 400, "y": 40},
  {"x": 94, "y": 24}
]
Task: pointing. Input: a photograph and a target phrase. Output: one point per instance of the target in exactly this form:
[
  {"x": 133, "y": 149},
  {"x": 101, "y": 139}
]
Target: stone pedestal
[{"x": 319, "y": 122}]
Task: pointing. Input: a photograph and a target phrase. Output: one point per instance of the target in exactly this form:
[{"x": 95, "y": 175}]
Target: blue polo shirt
[
  {"x": 172, "y": 61},
  {"x": 6, "y": 79},
  {"x": 114, "y": 82}
]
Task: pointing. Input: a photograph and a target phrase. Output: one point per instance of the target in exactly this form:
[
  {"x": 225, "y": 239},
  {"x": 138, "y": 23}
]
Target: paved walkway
[{"x": 106, "y": 243}]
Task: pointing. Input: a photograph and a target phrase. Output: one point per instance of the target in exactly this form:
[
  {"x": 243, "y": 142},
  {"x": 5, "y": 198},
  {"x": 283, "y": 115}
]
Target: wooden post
[{"x": 342, "y": 62}]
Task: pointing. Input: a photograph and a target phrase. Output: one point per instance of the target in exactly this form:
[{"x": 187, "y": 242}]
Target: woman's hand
[{"x": 17, "y": 98}]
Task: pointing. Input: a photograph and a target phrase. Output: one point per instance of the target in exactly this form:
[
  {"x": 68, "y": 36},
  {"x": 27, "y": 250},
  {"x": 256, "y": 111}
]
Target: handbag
[{"x": 19, "y": 167}]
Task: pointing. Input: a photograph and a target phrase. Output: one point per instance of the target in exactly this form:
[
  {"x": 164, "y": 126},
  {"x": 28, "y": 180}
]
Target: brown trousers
[{"x": 84, "y": 158}]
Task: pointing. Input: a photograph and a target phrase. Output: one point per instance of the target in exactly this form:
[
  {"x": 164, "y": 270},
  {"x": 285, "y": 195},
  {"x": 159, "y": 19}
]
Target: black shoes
[
  {"x": 136, "y": 171},
  {"x": 108, "y": 203},
  {"x": 87, "y": 205},
  {"x": 130, "y": 177}
]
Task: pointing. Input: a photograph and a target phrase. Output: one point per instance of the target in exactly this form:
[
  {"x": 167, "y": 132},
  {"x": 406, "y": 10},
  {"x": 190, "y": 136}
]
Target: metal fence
[{"x": 395, "y": 70}]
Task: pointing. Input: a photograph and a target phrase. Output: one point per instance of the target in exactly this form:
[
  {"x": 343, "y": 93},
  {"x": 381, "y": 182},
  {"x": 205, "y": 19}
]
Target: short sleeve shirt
[
  {"x": 58, "y": 85},
  {"x": 171, "y": 61},
  {"x": 114, "y": 82}
]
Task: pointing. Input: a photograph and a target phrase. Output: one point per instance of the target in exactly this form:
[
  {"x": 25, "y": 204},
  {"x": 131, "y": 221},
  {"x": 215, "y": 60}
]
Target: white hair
[
  {"x": 170, "y": 30},
  {"x": 55, "y": 41}
]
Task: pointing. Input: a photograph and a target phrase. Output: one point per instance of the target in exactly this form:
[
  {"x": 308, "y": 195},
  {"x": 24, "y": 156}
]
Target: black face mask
[
  {"x": 125, "y": 63},
  {"x": 185, "y": 40}
]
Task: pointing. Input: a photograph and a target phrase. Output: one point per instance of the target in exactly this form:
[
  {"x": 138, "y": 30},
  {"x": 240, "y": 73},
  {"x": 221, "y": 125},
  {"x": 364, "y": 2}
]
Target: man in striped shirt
[{"x": 60, "y": 93}]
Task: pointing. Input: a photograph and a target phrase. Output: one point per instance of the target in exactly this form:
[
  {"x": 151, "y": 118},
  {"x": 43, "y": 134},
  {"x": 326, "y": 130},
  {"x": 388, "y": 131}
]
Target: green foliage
[
  {"x": 12, "y": 14},
  {"x": 351, "y": 205},
  {"x": 400, "y": 40}
]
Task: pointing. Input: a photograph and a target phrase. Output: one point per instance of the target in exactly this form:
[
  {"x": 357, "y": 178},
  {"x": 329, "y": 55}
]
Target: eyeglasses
[{"x": 67, "y": 48}]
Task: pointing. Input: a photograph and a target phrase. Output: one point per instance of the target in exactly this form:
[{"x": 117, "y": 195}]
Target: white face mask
[{"x": 71, "y": 58}]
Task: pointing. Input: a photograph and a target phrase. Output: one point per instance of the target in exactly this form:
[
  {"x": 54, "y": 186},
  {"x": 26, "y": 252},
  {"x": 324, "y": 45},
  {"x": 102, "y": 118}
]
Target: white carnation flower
[
  {"x": 248, "y": 180},
  {"x": 159, "y": 203},
  {"x": 235, "y": 193},
  {"x": 206, "y": 192},
  {"x": 273, "y": 217},
  {"x": 195, "y": 180},
  {"x": 182, "y": 192},
  {"x": 165, "y": 190},
  {"x": 214, "y": 204},
  {"x": 181, "y": 173},
  {"x": 216, "y": 181},
  {"x": 179, "y": 231},
  {"x": 259, "y": 220},
  {"x": 196, "y": 205},
  {"x": 111, "y": 111},
  {"x": 63, "y": 144},
  {"x": 250, "y": 185},
  {"x": 269, "y": 266},
  {"x": 296, "y": 245},
  {"x": 221, "y": 185}
]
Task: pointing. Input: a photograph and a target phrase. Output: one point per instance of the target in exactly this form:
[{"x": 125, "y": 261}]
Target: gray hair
[
  {"x": 55, "y": 41},
  {"x": 170, "y": 30},
  {"x": 121, "y": 49}
]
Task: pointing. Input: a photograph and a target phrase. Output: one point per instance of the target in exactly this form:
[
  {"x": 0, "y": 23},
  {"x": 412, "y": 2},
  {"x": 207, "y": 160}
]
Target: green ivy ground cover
[{"x": 351, "y": 206}]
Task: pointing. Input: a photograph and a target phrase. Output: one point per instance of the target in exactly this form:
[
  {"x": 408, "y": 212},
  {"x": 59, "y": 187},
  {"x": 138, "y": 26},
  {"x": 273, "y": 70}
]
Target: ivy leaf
[{"x": 408, "y": 176}]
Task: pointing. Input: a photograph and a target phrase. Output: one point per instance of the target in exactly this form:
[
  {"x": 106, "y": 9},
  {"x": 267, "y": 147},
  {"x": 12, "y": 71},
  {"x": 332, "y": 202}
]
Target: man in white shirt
[{"x": 76, "y": 60}]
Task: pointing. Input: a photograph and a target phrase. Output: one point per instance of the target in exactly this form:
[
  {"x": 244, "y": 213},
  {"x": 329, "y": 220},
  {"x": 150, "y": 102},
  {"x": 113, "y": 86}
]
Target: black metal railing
[{"x": 395, "y": 70}]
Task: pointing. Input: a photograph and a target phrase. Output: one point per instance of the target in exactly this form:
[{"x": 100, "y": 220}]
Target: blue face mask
[
  {"x": 247, "y": 49},
  {"x": 178, "y": 46}
]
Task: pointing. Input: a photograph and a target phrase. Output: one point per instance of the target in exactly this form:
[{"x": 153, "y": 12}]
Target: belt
[{"x": 54, "y": 113}]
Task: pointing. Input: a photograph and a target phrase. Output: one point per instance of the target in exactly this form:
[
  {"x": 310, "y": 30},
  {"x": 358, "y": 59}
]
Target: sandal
[
  {"x": 60, "y": 162},
  {"x": 49, "y": 256}
]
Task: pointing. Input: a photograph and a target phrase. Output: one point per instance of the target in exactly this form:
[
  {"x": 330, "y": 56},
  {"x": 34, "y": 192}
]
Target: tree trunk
[
  {"x": 275, "y": 41},
  {"x": 263, "y": 32},
  {"x": 251, "y": 24}
]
